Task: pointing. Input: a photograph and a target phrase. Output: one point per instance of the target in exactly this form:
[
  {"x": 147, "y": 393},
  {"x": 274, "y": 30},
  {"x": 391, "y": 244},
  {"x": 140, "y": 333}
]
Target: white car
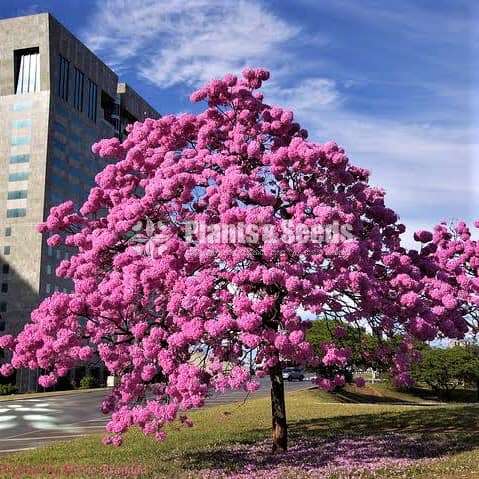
[{"x": 293, "y": 374}]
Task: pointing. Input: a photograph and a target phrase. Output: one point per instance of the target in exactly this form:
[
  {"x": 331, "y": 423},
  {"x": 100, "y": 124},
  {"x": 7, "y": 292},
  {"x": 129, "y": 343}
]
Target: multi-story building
[{"x": 56, "y": 99}]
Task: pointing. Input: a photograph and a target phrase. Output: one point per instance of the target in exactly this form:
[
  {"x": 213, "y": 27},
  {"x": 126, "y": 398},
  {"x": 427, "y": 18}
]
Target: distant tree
[
  {"x": 364, "y": 349},
  {"x": 444, "y": 369},
  {"x": 470, "y": 372}
]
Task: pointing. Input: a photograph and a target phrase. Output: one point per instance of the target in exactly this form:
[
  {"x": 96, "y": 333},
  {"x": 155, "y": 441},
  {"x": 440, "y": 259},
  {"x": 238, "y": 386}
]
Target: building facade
[{"x": 56, "y": 99}]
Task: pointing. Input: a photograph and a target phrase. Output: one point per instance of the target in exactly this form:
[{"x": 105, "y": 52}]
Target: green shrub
[
  {"x": 87, "y": 382},
  {"x": 7, "y": 389}
]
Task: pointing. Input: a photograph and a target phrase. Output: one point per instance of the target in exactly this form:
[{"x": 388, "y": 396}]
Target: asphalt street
[{"x": 29, "y": 423}]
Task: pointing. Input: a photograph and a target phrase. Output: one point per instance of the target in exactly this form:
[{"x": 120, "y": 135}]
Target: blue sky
[{"x": 394, "y": 82}]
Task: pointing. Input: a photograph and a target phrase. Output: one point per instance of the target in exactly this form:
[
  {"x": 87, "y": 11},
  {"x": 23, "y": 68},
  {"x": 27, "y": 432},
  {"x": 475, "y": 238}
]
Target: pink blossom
[
  {"x": 47, "y": 381},
  {"x": 7, "y": 341},
  {"x": 6, "y": 370},
  {"x": 54, "y": 240},
  {"x": 409, "y": 299},
  {"x": 360, "y": 382},
  {"x": 325, "y": 384},
  {"x": 449, "y": 301},
  {"x": 423, "y": 236},
  {"x": 296, "y": 337},
  {"x": 84, "y": 353},
  {"x": 335, "y": 356}
]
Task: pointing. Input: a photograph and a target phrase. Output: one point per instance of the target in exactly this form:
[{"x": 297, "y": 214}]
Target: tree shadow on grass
[
  {"x": 460, "y": 419},
  {"x": 350, "y": 443},
  {"x": 459, "y": 395},
  {"x": 345, "y": 396}
]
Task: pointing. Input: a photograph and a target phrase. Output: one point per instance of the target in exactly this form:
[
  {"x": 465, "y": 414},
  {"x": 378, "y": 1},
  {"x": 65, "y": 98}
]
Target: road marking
[
  {"x": 42, "y": 438},
  {"x": 36, "y": 409},
  {"x": 7, "y": 418},
  {"x": 37, "y": 417}
]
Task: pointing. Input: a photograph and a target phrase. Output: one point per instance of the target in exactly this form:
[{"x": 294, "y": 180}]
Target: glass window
[
  {"x": 50, "y": 251},
  {"x": 3, "y": 307},
  {"x": 22, "y": 106},
  {"x": 63, "y": 77},
  {"x": 56, "y": 160},
  {"x": 2, "y": 325},
  {"x": 49, "y": 269},
  {"x": 26, "y": 123},
  {"x": 78, "y": 89},
  {"x": 20, "y": 140},
  {"x": 6, "y": 250},
  {"x": 56, "y": 198},
  {"x": 8, "y": 231},
  {"x": 16, "y": 212},
  {"x": 16, "y": 159},
  {"x": 6, "y": 268},
  {"x": 18, "y": 176},
  {"x": 48, "y": 288},
  {"x": 17, "y": 195},
  {"x": 59, "y": 127},
  {"x": 75, "y": 138},
  {"x": 92, "y": 100},
  {"x": 4, "y": 287},
  {"x": 27, "y": 71},
  {"x": 58, "y": 145}
]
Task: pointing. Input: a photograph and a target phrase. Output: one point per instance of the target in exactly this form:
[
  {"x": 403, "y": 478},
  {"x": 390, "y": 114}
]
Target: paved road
[{"x": 28, "y": 423}]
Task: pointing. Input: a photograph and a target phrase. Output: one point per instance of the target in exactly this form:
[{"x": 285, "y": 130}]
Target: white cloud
[
  {"x": 173, "y": 42},
  {"x": 310, "y": 94}
]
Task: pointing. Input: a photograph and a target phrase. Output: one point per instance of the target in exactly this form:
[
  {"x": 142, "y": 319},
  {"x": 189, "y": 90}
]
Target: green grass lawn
[{"x": 313, "y": 417}]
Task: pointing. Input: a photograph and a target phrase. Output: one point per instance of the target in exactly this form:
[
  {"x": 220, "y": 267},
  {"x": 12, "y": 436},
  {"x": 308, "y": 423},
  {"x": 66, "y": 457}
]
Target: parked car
[{"x": 293, "y": 374}]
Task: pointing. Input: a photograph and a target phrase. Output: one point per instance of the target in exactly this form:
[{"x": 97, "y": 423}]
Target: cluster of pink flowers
[
  {"x": 449, "y": 265},
  {"x": 172, "y": 327}
]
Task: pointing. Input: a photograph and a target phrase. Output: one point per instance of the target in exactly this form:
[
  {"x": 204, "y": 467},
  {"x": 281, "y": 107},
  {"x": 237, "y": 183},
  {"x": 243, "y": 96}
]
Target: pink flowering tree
[{"x": 207, "y": 240}]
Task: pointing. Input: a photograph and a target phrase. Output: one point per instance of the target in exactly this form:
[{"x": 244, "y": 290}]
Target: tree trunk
[
  {"x": 477, "y": 389},
  {"x": 278, "y": 409}
]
